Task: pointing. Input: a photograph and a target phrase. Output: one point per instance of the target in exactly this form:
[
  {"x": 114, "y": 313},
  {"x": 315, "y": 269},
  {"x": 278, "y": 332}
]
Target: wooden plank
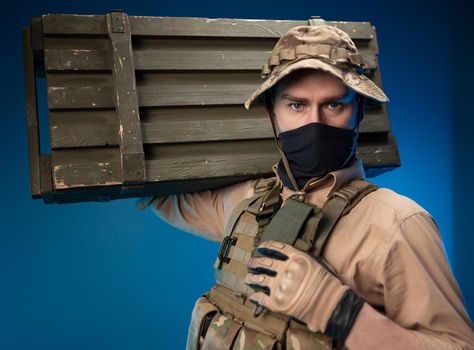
[
  {"x": 374, "y": 45},
  {"x": 206, "y": 130},
  {"x": 87, "y": 128},
  {"x": 107, "y": 193},
  {"x": 101, "y": 166},
  {"x": 37, "y": 39},
  {"x": 46, "y": 184},
  {"x": 86, "y": 42},
  {"x": 75, "y": 59},
  {"x": 368, "y": 56},
  {"x": 223, "y": 27},
  {"x": 381, "y": 154},
  {"x": 201, "y": 60},
  {"x": 163, "y": 93},
  {"x": 132, "y": 158},
  {"x": 207, "y": 165},
  {"x": 178, "y": 94},
  {"x": 205, "y": 159},
  {"x": 74, "y": 24},
  {"x": 228, "y": 27},
  {"x": 356, "y": 30},
  {"x": 70, "y": 59},
  {"x": 86, "y": 167},
  {"x": 165, "y": 26},
  {"x": 190, "y": 26},
  {"x": 31, "y": 115},
  {"x": 146, "y": 43},
  {"x": 80, "y": 97},
  {"x": 375, "y": 120},
  {"x": 79, "y": 79},
  {"x": 200, "y": 168},
  {"x": 83, "y": 128},
  {"x": 370, "y": 153}
]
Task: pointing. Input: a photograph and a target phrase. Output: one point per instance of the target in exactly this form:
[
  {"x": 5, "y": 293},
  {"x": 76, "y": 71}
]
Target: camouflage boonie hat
[{"x": 320, "y": 47}]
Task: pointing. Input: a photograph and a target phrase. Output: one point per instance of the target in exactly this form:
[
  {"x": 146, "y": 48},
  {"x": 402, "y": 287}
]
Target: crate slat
[
  {"x": 191, "y": 26},
  {"x": 99, "y": 128},
  {"x": 155, "y": 60}
]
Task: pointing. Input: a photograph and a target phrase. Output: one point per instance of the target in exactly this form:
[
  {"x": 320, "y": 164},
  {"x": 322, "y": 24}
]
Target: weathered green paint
[{"x": 189, "y": 129}]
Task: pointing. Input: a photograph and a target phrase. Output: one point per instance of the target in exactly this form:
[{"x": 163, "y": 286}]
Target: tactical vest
[{"x": 224, "y": 318}]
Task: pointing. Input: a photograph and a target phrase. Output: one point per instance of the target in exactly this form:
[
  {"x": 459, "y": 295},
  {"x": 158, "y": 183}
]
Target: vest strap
[
  {"x": 337, "y": 205},
  {"x": 234, "y": 216},
  {"x": 288, "y": 221},
  {"x": 262, "y": 185},
  {"x": 306, "y": 240},
  {"x": 268, "y": 209}
]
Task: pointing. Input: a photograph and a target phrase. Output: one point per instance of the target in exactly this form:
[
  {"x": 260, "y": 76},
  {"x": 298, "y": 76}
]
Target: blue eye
[
  {"x": 334, "y": 105},
  {"x": 296, "y": 106}
]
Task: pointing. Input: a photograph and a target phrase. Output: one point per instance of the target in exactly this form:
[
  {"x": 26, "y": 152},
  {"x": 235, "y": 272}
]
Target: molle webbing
[
  {"x": 260, "y": 218},
  {"x": 222, "y": 319},
  {"x": 241, "y": 234},
  {"x": 272, "y": 327}
]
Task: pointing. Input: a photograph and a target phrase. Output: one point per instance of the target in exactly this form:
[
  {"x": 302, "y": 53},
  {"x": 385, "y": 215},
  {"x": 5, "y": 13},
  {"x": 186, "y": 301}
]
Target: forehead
[{"x": 307, "y": 80}]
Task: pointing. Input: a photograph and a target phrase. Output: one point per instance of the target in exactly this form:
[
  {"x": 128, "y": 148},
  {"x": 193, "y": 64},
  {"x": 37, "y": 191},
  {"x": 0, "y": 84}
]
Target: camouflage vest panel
[{"x": 224, "y": 318}]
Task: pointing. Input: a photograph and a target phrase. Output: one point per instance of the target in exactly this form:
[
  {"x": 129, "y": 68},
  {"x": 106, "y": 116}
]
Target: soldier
[{"x": 316, "y": 257}]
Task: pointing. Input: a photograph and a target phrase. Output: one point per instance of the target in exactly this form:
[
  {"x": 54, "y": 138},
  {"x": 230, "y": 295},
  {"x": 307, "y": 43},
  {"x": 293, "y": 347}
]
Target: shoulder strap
[
  {"x": 265, "y": 208},
  {"x": 337, "y": 205},
  {"x": 288, "y": 221},
  {"x": 262, "y": 186}
]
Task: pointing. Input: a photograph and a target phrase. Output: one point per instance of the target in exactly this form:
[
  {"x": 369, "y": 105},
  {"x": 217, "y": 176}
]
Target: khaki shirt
[{"x": 388, "y": 249}]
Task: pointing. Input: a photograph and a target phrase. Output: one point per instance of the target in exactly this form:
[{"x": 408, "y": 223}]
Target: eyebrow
[{"x": 326, "y": 99}]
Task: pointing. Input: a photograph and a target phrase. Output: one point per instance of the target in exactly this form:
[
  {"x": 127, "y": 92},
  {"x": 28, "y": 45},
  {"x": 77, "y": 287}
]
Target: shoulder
[
  {"x": 384, "y": 213},
  {"x": 399, "y": 221},
  {"x": 392, "y": 203}
]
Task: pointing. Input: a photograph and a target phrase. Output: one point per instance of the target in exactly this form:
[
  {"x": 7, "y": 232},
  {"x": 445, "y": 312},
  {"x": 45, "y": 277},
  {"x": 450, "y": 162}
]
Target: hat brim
[{"x": 358, "y": 82}]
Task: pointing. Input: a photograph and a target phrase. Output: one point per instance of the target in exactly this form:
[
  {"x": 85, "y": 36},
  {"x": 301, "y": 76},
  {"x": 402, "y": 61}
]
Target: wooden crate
[{"x": 142, "y": 106}]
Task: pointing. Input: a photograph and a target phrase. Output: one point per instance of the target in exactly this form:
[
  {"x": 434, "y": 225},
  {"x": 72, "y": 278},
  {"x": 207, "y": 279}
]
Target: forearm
[
  {"x": 197, "y": 213},
  {"x": 202, "y": 213},
  {"x": 372, "y": 330}
]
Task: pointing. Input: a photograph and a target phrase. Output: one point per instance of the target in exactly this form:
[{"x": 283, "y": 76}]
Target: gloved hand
[{"x": 292, "y": 282}]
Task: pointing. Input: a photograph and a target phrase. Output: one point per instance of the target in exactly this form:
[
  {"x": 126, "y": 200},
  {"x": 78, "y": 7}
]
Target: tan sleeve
[
  {"x": 420, "y": 291},
  {"x": 202, "y": 213}
]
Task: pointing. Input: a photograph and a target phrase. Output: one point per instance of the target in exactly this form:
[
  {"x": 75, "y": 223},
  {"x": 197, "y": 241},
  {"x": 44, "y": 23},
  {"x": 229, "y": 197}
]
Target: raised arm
[{"x": 201, "y": 213}]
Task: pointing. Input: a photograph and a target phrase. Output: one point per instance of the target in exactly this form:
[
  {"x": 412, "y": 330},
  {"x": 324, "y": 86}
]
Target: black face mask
[{"x": 314, "y": 150}]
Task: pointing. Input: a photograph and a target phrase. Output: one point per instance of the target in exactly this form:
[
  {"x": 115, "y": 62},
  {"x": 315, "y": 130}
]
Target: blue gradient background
[{"x": 107, "y": 276}]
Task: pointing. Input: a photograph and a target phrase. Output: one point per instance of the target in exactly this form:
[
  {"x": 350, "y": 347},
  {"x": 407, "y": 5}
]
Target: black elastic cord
[
  {"x": 343, "y": 318},
  {"x": 286, "y": 164}
]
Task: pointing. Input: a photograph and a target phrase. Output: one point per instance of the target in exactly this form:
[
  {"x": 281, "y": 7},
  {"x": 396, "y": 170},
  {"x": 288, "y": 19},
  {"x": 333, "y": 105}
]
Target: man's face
[{"x": 316, "y": 96}]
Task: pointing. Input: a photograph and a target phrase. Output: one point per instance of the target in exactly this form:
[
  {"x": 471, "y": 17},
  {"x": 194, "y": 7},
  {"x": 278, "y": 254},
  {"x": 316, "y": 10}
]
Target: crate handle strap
[{"x": 132, "y": 158}]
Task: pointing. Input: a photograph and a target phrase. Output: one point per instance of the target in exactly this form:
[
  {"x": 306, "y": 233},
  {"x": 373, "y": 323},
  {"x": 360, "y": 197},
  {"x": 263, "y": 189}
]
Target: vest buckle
[
  {"x": 299, "y": 196},
  {"x": 224, "y": 249}
]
